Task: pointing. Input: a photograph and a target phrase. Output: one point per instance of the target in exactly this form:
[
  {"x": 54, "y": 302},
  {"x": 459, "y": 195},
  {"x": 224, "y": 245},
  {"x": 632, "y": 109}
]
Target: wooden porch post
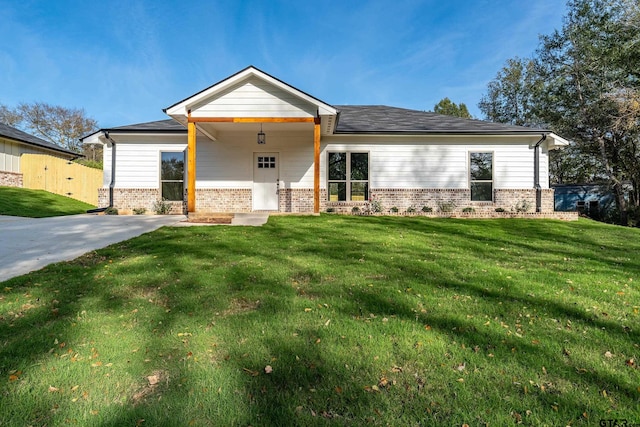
[
  {"x": 191, "y": 167},
  {"x": 316, "y": 166}
]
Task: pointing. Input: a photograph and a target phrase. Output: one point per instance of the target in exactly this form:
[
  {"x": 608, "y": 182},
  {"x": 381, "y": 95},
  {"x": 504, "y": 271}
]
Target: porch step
[{"x": 210, "y": 217}]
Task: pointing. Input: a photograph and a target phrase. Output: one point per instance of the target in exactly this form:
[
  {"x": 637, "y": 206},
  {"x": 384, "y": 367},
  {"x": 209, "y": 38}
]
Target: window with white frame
[
  {"x": 481, "y": 176},
  {"x": 172, "y": 175},
  {"x": 348, "y": 176}
]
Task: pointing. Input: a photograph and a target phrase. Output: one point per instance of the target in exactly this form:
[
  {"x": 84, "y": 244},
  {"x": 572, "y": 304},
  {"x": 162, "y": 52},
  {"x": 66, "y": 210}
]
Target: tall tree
[
  {"x": 590, "y": 88},
  {"x": 584, "y": 83},
  {"x": 9, "y": 117},
  {"x": 59, "y": 125},
  {"x": 509, "y": 97},
  {"x": 450, "y": 108}
]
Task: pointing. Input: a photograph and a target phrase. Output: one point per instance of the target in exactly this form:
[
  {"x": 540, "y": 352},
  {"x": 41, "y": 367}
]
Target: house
[
  {"x": 252, "y": 142},
  {"x": 13, "y": 144}
]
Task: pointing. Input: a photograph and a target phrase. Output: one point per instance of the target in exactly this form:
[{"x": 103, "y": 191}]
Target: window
[
  {"x": 348, "y": 177},
  {"x": 265, "y": 162},
  {"x": 172, "y": 175},
  {"x": 481, "y": 176}
]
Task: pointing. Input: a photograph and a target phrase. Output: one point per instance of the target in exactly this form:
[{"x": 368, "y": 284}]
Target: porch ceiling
[{"x": 214, "y": 129}]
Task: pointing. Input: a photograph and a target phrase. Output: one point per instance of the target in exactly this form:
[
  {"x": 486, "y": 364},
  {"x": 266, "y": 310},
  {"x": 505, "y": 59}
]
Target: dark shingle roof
[
  {"x": 9, "y": 132},
  {"x": 371, "y": 119},
  {"x": 159, "y": 126},
  {"x": 168, "y": 125}
]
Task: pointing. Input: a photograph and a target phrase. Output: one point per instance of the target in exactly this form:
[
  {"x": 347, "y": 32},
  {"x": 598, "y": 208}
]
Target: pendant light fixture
[{"x": 262, "y": 138}]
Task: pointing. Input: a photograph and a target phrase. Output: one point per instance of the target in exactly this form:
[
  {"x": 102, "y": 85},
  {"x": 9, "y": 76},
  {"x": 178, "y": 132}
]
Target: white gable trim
[{"x": 181, "y": 110}]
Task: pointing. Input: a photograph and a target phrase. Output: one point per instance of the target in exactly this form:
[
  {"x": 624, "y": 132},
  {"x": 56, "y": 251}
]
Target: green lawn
[
  {"x": 331, "y": 320},
  {"x": 38, "y": 203}
]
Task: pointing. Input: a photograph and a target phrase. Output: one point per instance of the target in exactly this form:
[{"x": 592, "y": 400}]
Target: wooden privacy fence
[{"x": 60, "y": 176}]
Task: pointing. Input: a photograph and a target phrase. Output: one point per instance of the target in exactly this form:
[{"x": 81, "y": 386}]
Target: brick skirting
[
  {"x": 443, "y": 201},
  {"x": 128, "y": 199},
  {"x": 447, "y": 201},
  {"x": 10, "y": 179},
  {"x": 223, "y": 200}
]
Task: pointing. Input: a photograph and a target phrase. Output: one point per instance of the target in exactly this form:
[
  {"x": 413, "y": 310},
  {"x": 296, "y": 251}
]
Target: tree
[
  {"x": 9, "y": 117},
  {"x": 59, "y": 125},
  {"x": 449, "y": 108},
  {"x": 509, "y": 97},
  {"x": 584, "y": 83},
  {"x": 590, "y": 89}
]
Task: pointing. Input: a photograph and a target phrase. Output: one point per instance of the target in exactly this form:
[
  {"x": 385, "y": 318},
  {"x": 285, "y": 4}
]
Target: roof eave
[{"x": 445, "y": 132}]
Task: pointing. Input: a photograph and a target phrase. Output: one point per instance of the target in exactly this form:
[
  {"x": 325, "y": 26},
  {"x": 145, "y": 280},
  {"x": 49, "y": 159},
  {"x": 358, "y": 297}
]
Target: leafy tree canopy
[
  {"x": 59, "y": 125},
  {"x": 450, "y": 108},
  {"x": 584, "y": 83}
]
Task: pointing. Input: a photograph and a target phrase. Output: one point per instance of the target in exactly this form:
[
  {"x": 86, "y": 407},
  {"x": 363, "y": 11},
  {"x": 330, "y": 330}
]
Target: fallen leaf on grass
[
  {"x": 53, "y": 389},
  {"x": 153, "y": 379},
  {"x": 268, "y": 369},
  {"x": 14, "y": 376},
  {"x": 460, "y": 367},
  {"x": 608, "y": 355}
]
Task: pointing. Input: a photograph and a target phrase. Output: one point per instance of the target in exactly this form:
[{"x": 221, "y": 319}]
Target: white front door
[{"x": 265, "y": 181}]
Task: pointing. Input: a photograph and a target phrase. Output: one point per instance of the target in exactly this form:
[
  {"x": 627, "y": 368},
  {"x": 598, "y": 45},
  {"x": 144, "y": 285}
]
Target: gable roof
[
  {"x": 382, "y": 119},
  {"x": 10, "y": 132},
  {"x": 369, "y": 119},
  {"x": 180, "y": 107}
]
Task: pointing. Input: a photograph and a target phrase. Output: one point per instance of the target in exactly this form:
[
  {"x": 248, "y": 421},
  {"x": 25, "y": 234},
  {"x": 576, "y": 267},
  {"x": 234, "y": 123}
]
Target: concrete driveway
[{"x": 28, "y": 244}]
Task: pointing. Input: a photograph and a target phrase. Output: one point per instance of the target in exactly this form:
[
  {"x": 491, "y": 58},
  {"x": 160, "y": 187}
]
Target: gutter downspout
[
  {"x": 536, "y": 172},
  {"x": 112, "y": 184}
]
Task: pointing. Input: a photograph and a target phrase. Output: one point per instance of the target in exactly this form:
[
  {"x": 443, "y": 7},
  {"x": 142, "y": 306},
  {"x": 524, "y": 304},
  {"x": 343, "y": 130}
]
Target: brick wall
[
  {"x": 447, "y": 200},
  {"x": 301, "y": 200},
  {"x": 10, "y": 179},
  {"x": 128, "y": 199},
  {"x": 223, "y": 200}
]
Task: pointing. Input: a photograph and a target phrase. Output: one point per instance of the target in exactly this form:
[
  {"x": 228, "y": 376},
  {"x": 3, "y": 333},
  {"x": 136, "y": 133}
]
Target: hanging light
[{"x": 262, "y": 138}]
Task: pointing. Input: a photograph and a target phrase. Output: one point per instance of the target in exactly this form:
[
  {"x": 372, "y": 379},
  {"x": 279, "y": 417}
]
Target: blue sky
[{"x": 123, "y": 61}]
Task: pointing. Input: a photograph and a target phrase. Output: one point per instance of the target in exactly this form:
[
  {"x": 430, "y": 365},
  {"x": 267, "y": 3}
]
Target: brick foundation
[
  {"x": 447, "y": 201},
  {"x": 443, "y": 201},
  {"x": 223, "y": 200},
  {"x": 10, "y": 179},
  {"x": 128, "y": 199}
]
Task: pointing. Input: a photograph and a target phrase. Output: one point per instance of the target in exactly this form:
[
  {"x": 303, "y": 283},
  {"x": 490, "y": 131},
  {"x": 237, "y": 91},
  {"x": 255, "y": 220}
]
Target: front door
[{"x": 265, "y": 181}]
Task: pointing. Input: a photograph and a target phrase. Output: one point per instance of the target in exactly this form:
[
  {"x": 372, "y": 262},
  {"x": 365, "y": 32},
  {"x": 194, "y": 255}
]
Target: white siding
[
  {"x": 138, "y": 160},
  {"x": 228, "y": 162},
  {"x": 10, "y": 156},
  {"x": 395, "y": 162},
  {"x": 254, "y": 98},
  {"x": 106, "y": 165},
  {"x": 439, "y": 162}
]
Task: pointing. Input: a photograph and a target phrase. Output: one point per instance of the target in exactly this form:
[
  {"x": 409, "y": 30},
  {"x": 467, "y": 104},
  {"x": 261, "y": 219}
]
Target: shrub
[
  {"x": 330, "y": 210},
  {"x": 446, "y": 206},
  {"x": 376, "y": 206},
  {"x": 523, "y": 206},
  {"x": 468, "y": 209},
  {"x": 411, "y": 209},
  {"x": 111, "y": 211},
  {"x": 427, "y": 209},
  {"x": 355, "y": 210},
  {"x": 139, "y": 211},
  {"x": 499, "y": 209},
  {"x": 394, "y": 209},
  {"x": 161, "y": 207}
]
